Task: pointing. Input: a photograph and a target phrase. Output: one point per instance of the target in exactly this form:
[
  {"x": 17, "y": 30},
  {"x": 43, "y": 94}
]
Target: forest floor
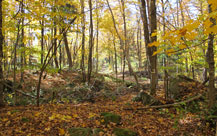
[{"x": 53, "y": 119}]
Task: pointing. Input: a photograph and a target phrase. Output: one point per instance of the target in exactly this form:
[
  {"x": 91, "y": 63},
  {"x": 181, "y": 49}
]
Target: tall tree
[
  {"x": 1, "y": 56},
  {"x": 126, "y": 44},
  {"x": 152, "y": 59},
  {"x": 83, "y": 42},
  {"x": 97, "y": 38},
  {"x": 90, "y": 42},
  {"x": 55, "y": 35},
  {"x": 211, "y": 63}
]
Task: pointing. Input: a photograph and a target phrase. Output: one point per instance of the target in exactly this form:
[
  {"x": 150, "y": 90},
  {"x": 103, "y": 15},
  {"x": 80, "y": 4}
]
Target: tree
[
  {"x": 1, "y": 57},
  {"x": 211, "y": 62},
  {"x": 90, "y": 42},
  {"x": 152, "y": 59},
  {"x": 82, "y": 65}
]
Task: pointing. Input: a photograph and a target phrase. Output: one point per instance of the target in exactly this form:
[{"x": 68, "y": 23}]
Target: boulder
[
  {"x": 124, "y": 132},
  {"x": 110, "y": 117},
  {"x": 146, "y": 99},
  {"x": 84, "y": 131},
  {"x": 176, "y": 86}
]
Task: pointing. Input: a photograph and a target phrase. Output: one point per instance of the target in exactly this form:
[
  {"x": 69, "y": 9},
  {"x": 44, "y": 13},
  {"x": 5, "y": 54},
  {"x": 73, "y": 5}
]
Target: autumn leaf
[
  {"x": 156, "y": 43},
  {"x": 154, "y": 34},
  {"x": 182, "y": 46},
  {"x": 75, "y": 115},
  {"x": 182, "y": 31},
  {"x": 156, "y": 52},
  {"x": 61, "y": 131},
  {"x": 170, "y": 51}
]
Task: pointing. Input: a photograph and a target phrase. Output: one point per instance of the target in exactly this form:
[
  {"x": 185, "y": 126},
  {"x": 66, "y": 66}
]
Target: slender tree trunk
[
  {"x": 97, "y": 38},
  {"x": 55, "y": 38},
  {"x": 75, "y": 47},
  {"x": 164, "y": 58},
  {"x": 1, "y": 57},
  {"x": 15, "y": 60},
  {"x": 146, "y": 29},
  {"x": 22, "y": 42},
  {"x": 138, "y": 42},
  {"x": 90, "y": 42},
  {"x": 83, "y": 42},
  {"x": 42, "y": 41},
  {"x": 126, "y": 45},
  {"x": 211, "y": 62},
  {"x": 68, "y": 53},
  {"x": 121, "y": 41},
  {"x": 60, "y": 58},
  {"x": 116, "y": 63},
  {"x": 42, "y": 38}
]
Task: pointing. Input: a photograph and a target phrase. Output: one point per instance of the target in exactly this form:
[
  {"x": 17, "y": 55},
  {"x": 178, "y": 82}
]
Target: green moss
[
  {"x": 110, "y": 117},
  {"x": 80, "y": 131},
  {"x": 24, "y": 119},
  {"x": 124, "y": 132},
  {"x": 84, "y": 131}
]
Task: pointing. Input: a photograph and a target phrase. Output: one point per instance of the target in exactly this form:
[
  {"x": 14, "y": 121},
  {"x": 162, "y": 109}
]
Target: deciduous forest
[{"x": 108, "y": 68}]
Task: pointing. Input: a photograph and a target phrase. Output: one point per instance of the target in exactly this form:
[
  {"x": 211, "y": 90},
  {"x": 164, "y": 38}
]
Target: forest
[{"x": 108, "y": 68}]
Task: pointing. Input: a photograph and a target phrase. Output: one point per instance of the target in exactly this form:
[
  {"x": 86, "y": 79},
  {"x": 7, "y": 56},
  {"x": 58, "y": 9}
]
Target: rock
[
  {"x": 84, "y": 131},
  {"x": 110, "y": 117},
  {"x": 97, "y": 131},
  {"x": 146, "y": 99},
  {"x": 124, "y": 132},
  {"x": 175, "y": 87}
]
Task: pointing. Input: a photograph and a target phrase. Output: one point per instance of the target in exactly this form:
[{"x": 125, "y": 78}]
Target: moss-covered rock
[
  {"x": 97, "y": 131},
  {"x": 110, "y": 117},
  {"x": 80, "y": 132},
  {"x": 84, "y": 131},
  {"x": 124, "y": 132}
]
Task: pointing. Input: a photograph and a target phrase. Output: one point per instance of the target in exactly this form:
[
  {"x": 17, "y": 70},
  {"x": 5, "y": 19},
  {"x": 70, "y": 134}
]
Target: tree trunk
[
  {"x": 67, "y": 49},
  {"x": 153, "y": 59},
  {"x": 83, "y": 42},
  {"x": 22, "y": 43},
  {"x": 116, "y": 63},
  {"x": 211, "y": 62},
  {"x": 126, "y": 45},
  {"x": 164, "y": 58},
  {"x": 90, "y": 43},
  {"x": 97, "y": 38},
  {"x": 55, "y": 38},
  {"x": 1, "y": 57}
]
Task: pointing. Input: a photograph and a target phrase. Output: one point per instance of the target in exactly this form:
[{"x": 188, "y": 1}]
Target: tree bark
[
  {"x": 83, "y": 42},
  {"x": 211, "y": 63},
  {"x": 55, "y": 38},
  {"x": 90, "y": 43},
  {"x": 68, "y": 53},
  {"x": 1, "y": 57},
  {"x": 97, "y": 38},
  {"x": 22, "y": 42},
  {"x": 153, "y": 59}
]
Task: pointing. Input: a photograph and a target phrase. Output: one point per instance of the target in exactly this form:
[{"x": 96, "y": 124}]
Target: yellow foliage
[
  {"x": 156, "y": 52},
  {"x": 170, "y": 51},
  {"x": 61, "y": 131},
  {"x": 182, "y": 46},
  {"x": 156, "y": 43}
]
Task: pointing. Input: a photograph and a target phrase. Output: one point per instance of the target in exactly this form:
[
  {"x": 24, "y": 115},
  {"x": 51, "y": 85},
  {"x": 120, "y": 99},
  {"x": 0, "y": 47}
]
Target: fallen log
[{"x": 168, "y": 105}]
